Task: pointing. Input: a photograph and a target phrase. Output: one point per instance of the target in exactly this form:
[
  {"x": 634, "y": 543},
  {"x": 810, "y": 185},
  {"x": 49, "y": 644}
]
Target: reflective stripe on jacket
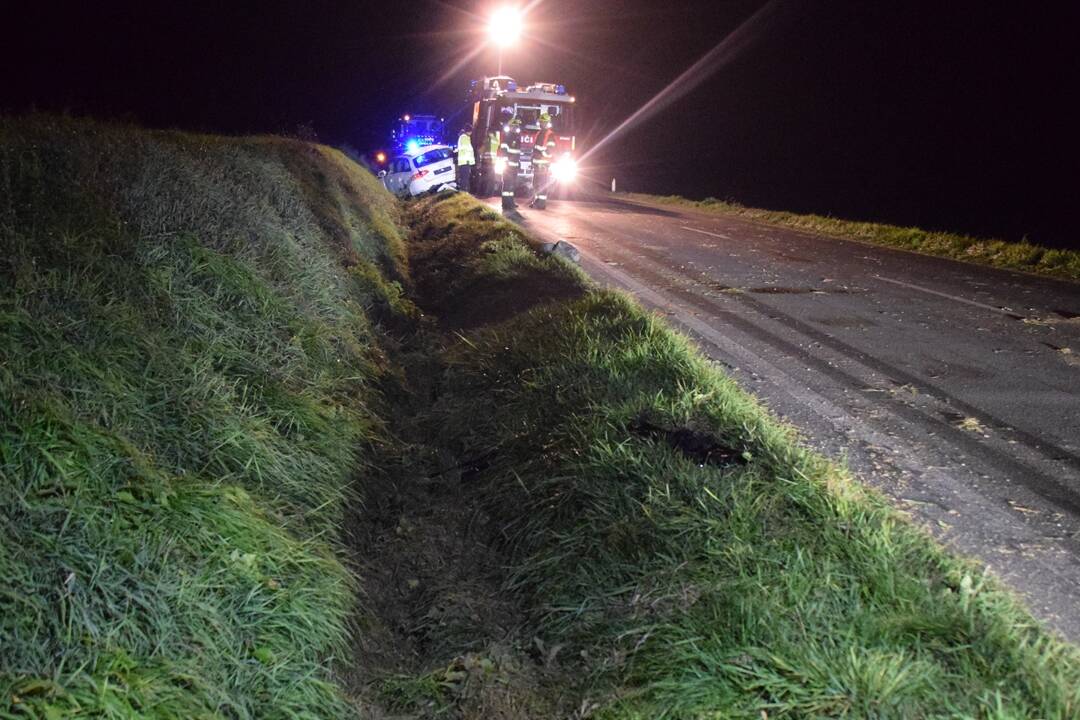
[
  {"x": 465, "y": 154},
  {"x": 511, "y": 146},
  {"x": 545, "y": 147}
]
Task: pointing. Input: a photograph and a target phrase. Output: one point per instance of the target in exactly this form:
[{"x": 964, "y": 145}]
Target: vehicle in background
[
  {"x": 412, "y": 132},
  {"x": 426, "y": 169},
  {"x": 493, "y": 101}
]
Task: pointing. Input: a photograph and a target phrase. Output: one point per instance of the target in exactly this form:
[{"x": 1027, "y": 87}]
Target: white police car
[{"x": 421, "y": 170}]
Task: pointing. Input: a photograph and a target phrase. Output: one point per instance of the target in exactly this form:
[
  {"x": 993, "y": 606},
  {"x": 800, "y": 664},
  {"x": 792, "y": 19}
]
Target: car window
[
  {"x": 401, "y": 164},
  {"x": 432, "y": 156}
]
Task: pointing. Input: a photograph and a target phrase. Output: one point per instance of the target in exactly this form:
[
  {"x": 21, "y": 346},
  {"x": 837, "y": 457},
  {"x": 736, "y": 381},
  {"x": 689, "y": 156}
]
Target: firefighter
[
  {"x": 491, "y": 154},
  {"x": 511, "y": 147},
  {"x": 543, "y": 154},
  {"x": 529, "y": 130},
  {"x": 466, "y": 159}
]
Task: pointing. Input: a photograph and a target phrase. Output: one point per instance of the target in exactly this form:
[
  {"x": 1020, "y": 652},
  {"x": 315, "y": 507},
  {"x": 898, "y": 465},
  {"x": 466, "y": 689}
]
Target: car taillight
[{"x": 420, "y": 175}]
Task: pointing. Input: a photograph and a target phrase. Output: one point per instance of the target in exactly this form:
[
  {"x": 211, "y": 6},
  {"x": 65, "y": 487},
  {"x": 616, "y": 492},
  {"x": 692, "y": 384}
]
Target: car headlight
[
  {"x": 564, "y": 170},
  {"x": 500, "y": 165}
]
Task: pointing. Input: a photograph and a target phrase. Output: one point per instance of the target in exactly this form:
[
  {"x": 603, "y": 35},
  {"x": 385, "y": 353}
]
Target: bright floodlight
[
  {"x": 505, "y": 26},
  {"x": 564, "y": 170}
]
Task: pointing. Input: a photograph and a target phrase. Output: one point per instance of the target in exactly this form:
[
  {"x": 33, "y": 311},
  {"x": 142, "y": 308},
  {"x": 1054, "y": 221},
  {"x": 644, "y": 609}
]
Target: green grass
[
  {"x": 470, "y": 268},
  {"x": 194, "y": 332},
  {"x": 772, "y": 584},
  {"x": 187, "y": 366},
  {"x": 1023, "y": 256}
]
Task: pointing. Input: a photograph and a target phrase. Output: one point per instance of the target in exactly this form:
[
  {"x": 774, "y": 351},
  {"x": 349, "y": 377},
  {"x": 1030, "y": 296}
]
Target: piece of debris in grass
[
  {"x": 1022, "y": 508},
  {"x": 971, "y": 425},
  {"x": 698, "y": 446}
]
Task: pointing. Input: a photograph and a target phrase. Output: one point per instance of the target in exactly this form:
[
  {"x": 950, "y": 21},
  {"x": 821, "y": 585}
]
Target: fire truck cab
[{"x": 494, "y": 100}]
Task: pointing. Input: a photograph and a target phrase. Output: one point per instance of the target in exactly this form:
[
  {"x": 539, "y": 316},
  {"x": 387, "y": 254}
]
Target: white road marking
[
  {"x": 706, "y": 232},
  {"x": 928, "y": 291}
]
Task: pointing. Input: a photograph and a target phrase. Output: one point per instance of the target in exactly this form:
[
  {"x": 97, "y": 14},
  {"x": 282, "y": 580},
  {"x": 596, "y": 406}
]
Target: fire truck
[{"x": 493, "y": 101}]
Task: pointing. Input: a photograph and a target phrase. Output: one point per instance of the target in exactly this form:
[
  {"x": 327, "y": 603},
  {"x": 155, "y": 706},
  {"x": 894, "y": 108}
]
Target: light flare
[
  {"x": 564, "y": 170},
  {"x": 505, "y": 26},
  {"x": 736, "y": 42},
  {"x": 478, "y": 47}
]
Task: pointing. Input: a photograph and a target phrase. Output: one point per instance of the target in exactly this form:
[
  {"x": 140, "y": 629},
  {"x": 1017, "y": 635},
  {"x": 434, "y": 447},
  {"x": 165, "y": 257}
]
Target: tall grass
[
  {"x": 187, "y": 359},
  {"x": 190, "y": 351},
  {"x": 1023, "y": 255},
  {"x": 765, "y": 583}
]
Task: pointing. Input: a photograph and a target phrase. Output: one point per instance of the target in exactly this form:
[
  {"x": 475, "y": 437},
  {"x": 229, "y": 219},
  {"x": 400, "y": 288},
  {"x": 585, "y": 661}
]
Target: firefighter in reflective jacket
[
  {"x": 543, "y": 154},
  {"x": 466, "y": 159},
  {"x": 511, "y": 147}
]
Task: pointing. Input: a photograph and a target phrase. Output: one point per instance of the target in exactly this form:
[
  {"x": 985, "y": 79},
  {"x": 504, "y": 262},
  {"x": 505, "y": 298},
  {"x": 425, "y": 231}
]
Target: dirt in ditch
[{"x": 437, "y": 633}]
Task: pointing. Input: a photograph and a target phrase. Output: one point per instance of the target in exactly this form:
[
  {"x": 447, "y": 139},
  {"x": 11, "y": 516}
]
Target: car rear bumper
[{"x": 422, "y": 188}]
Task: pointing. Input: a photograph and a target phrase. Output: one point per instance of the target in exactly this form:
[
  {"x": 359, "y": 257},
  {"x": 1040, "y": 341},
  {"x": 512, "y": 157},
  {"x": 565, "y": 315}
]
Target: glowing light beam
[
  {"x": 711, "y": 62},
  {"x": 505, "y": 26},
  {"x": 457, "y": 67},
  {"x": 479, "y": 47}
]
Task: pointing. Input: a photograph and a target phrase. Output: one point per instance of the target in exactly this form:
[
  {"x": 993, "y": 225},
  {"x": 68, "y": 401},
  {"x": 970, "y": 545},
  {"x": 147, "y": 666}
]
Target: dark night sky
[{"x": 943, "y": 114}]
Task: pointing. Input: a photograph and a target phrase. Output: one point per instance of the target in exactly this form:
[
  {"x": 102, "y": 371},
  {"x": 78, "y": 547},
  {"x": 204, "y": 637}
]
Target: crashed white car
[{"x": 426, "y": 169}]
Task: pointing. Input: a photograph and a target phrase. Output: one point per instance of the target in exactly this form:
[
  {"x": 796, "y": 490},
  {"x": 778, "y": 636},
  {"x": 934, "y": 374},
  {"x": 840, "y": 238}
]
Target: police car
[{"x": 420, "y": 170}]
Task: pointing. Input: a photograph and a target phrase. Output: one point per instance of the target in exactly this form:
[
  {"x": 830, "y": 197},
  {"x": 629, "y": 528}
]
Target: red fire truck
[{"x": 494, "y": 100}]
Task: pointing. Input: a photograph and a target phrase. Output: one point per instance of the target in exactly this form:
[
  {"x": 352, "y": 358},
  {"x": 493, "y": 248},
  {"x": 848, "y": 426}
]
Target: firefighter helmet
[{"x": 545, "y": 120}]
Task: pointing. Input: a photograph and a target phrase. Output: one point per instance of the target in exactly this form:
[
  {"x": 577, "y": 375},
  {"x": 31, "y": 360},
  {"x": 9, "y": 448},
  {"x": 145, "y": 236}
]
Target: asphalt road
[{"x": 953, "y": 388}]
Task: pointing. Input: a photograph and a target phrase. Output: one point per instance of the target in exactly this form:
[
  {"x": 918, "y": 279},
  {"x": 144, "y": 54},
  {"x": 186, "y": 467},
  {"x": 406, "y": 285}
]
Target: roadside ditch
[{"x": 577, "y": 516}]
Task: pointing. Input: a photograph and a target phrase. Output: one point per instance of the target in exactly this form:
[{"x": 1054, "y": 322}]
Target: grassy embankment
[
  {"x": 188, "y": 399},
  {"x": 186, "y": 371},
  {"x": 679, "y": 549},
  {"x": 1023, "y": 256}
]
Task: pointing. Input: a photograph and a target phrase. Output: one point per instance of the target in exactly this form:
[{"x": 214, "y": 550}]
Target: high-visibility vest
[
  {"x": 495, "y": 142},
  {"x": 465, "y": 155}
]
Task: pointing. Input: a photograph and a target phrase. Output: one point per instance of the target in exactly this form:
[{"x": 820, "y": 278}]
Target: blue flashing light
[
  {"x": 412, "y": 146},
  {"x": 511, "y": 86},
  {"x": 560, "y": 89}
]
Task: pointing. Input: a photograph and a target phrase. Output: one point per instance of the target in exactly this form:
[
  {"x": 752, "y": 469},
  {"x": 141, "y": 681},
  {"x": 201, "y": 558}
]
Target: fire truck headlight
[
  {"x": 500, "y": 165},
  {"x": 564, "y": 170}
]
